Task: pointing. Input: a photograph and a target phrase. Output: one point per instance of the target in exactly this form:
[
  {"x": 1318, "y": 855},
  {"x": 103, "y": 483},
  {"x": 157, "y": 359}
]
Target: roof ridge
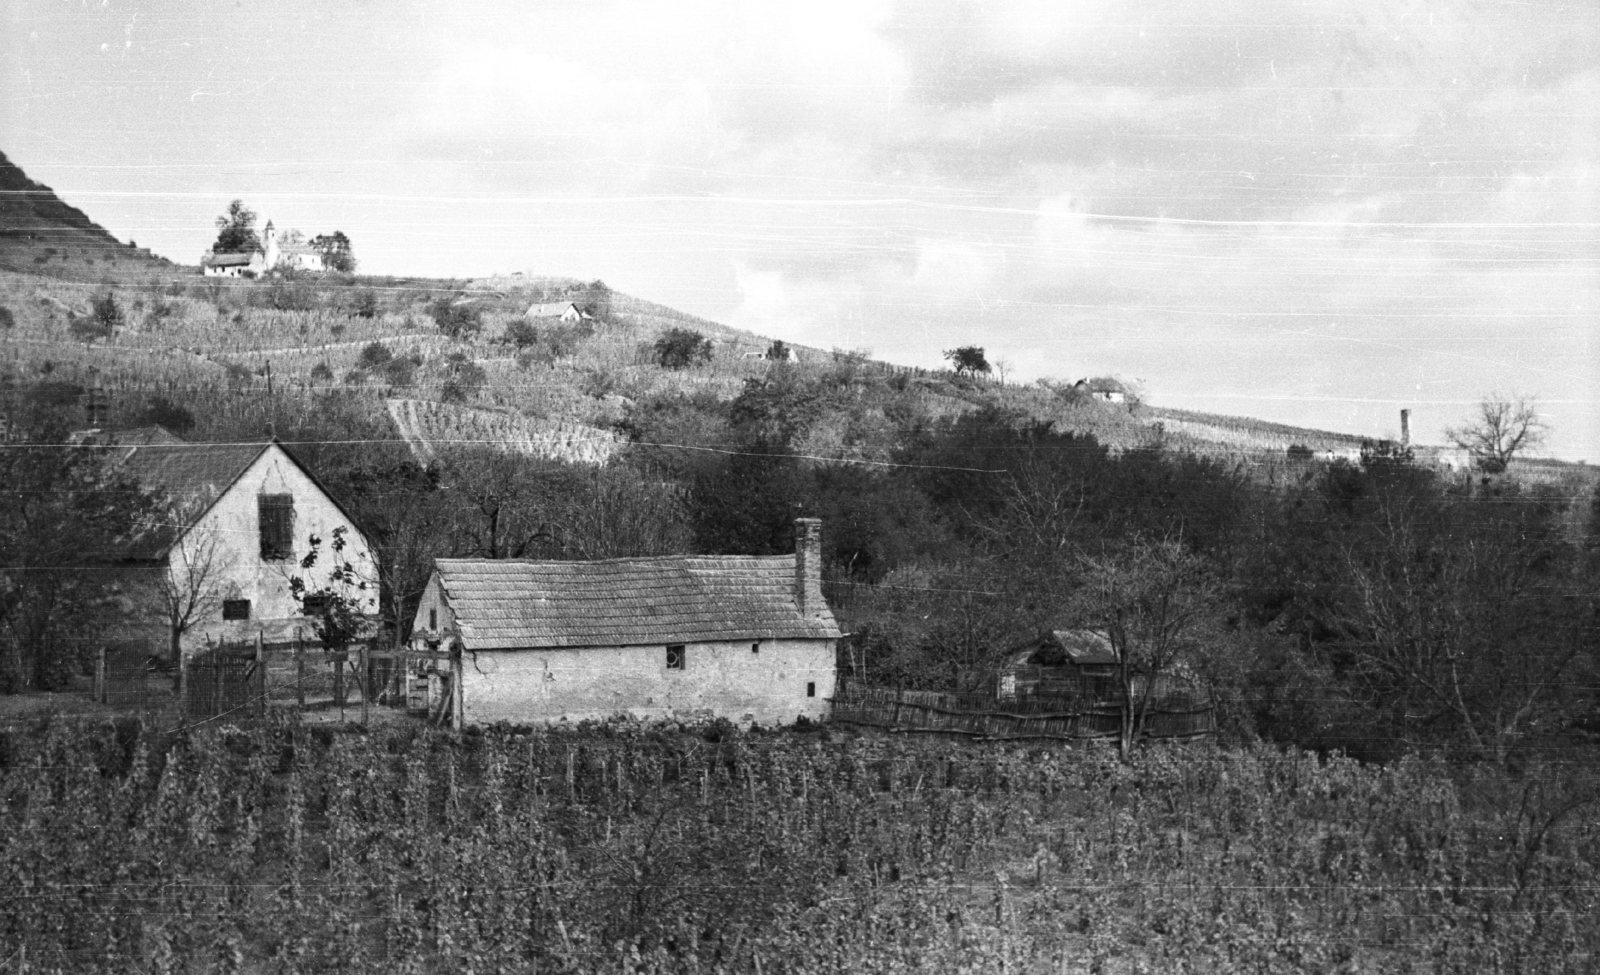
[{"x": 625, "y": 559}]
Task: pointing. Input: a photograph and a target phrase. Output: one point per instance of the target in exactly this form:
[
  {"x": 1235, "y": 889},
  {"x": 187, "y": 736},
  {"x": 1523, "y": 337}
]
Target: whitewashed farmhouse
[
  {"x": 239, "y": 519},
  {"x": 252, "y": 265},
  {"x": 748, "y": 638},
  {"x": 566, "y": 312}
]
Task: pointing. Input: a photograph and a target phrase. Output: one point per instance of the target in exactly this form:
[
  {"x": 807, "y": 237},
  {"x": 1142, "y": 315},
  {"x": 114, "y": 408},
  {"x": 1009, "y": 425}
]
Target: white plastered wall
[
  {"x": 725, "y": 679},
  {"x": 227, "y": 539}
]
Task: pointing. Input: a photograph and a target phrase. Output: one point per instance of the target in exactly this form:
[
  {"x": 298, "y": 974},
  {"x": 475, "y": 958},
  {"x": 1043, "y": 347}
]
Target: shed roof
[
  {"x": 1082, "y": 648},
  {"x": 513, "y": 604}
]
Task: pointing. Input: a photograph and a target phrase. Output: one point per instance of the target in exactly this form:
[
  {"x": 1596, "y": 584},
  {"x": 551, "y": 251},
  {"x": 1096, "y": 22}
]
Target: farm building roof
[
  {"x": 551, "y": 309},
  {"x": 227, "y": 260},
  {"x": 510, "y": 604},
  {"x": 193, "y": 475},
  {"x": 1083, "y": 648}
]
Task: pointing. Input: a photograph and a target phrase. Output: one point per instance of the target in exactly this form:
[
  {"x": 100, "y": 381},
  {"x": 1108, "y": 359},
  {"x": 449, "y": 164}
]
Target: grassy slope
[
  {"x": 185, "y": 332},
  {"x": 42, "y": 235}
]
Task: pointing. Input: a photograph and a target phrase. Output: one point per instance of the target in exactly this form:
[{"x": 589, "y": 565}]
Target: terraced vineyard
[{"x": 427, "y": 427}]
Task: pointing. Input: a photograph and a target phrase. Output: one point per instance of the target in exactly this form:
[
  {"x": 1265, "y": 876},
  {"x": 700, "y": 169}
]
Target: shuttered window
[
  {"x": 236, "y": 609},
  {"x": 276, "y": 513}
]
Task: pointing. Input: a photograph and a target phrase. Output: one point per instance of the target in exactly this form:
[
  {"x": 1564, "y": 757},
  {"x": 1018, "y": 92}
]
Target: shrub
[
  {"x": 104, "y": 318},
  {"x": 285, "y": 293},
  {"x": 466, "y": 378},
  {"x": 366, "y": 305},
  {"x": 456, "y": 321},
  {"x": 400, "y": 371},
  {"x": 521, "y": 333},
  {"x": 7, "y": 320},
  {"x": 678, "y": 348},
  {"x": 374, "y": 356},
  {"x": 599, "y": 382},
  {"x": 163, "y": 412},
  {"x": 321, "y": 374}
]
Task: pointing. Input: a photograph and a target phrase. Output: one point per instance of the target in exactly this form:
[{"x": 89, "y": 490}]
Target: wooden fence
[
  {"x": 984, "y": 716},
  {"x": 227, "y": 682}
]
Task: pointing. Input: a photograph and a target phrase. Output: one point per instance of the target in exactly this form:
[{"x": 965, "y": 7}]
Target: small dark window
[
  {"x": 811, "y": 688},
  {"x": 755, "y": 648},
  {"x": 276, "y": 512},
  {"x": 236, "y": 609},
  {"x": 314, "y": 605},
  {"x": 433, "y": 619},
  {"x": 676, "y": 657}
]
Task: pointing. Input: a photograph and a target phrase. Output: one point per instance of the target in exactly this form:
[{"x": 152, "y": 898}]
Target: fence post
[
  {"x": 366, "y": 682},
  {"x": 185, "y": 687},
  {"x": 261, "y": 676},
  {"x": 459, "y": 702},
  {"x": 100, "y": 676},
  {"x": 299, "y": 671}
]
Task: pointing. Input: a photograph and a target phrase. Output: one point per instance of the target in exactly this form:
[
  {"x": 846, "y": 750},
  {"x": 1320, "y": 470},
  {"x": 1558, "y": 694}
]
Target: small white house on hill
[
  {"x": 566, "y": 312},
  {"x": 741, "y": 637},
  {"x": 251, "y": 265},
  {"x": 239, "y": 519}
]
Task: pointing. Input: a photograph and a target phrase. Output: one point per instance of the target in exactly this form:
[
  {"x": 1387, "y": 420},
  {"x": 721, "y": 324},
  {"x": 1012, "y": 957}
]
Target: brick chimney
[
  {"x": 808, "y": 567},
  {"x": 1405, "y": 428}
]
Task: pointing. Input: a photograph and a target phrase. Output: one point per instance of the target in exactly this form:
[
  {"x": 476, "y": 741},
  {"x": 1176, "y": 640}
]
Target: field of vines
[
  {"x": 286, "y": 848},
  {"x": 424, "y": 425}
]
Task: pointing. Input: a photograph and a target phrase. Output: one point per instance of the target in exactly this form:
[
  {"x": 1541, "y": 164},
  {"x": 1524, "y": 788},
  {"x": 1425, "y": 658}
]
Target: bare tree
[
  {"x": 1502, "y": 427},
  {"x": 192, "y": 586},
  {"x": 1154, "y": 600},
  {"x": 1462, "y": 620}
]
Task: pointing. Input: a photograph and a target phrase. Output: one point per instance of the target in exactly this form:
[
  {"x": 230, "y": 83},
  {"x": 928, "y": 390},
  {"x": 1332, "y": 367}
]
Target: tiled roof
[
  {"x": 1084, "y": 647},
  {"x": 550, "y": 309},
  {"x": 227, "y": 260},
  {"x": 508, "y": 604},
  {"x": 192, "y": 475}
]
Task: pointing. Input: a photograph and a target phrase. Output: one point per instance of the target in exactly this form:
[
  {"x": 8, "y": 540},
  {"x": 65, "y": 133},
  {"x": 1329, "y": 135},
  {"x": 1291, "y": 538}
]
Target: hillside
[
  {"x": 552, "y": 391},
  {"x": 40, "y": 234}
]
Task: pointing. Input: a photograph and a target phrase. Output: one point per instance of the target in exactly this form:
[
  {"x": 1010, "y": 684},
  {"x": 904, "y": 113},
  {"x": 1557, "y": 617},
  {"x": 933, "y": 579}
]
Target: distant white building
[
  {"x": 1103, "y": 389},
  {"x": 566, "y": 312},
  {"x": 289, "y": 250},
  {"x": 281, "y": 251},
  {"x": 252, "y": 265}
]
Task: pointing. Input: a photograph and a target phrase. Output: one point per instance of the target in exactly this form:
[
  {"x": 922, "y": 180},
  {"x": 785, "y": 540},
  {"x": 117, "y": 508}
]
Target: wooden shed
[{"x": 1064, "y": 663}]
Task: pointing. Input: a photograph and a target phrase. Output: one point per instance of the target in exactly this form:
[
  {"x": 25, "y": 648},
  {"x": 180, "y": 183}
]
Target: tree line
[{"x": 1371, "y": 606}]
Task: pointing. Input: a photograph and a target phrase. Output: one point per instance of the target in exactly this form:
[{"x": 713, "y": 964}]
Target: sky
[{"x": 1313, "y": 212}]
